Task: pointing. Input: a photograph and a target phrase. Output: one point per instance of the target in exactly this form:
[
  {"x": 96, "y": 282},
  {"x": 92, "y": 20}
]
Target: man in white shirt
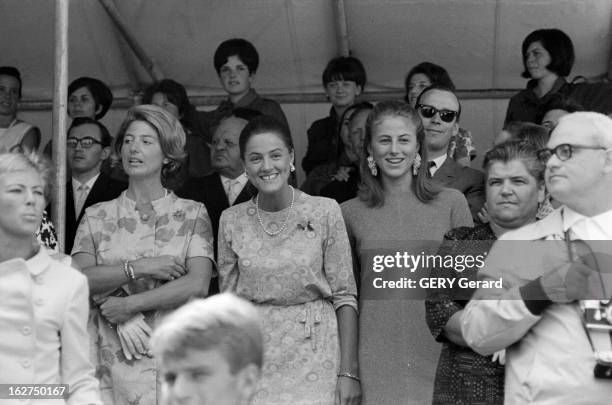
[
  {"x": 551, "y": 354},
  {"x": 88, "y": 145},
  {"x": 439, "y": 109},
  {"x": 228, "y": 184}
]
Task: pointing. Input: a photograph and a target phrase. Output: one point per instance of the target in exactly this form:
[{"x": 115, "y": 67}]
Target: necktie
[
  {"x": 82, "y": 192},
  {"x": 431, "y": 165},
  {"x": 233, "y": 190}
]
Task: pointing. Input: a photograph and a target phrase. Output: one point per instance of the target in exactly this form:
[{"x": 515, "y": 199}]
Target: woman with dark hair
[
  {"x": 344, "y": 78},
  {"x": 144, "y": 253},
  {"x": 288, "y": 253},
  {"x": 172, "y": 96},
  {"x": 324, "y": 174},
  {"x": 88, "y": 97},
  {"x": 555, "y": 108},
  {"x": 399, "y": 209},
  {"x": 345, "y": 181},
  {"x": 420, "y": 77},
  {"x": 548, "y": 58},
  {"x": 515, "y": 175}
]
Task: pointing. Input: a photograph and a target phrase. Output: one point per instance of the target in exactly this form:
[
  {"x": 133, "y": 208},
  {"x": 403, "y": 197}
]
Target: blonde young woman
[{"x": 144, "y": 253}]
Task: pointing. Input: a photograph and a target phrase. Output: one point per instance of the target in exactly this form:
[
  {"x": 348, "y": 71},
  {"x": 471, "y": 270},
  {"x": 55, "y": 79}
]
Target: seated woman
[
  {"x": 548, "y": 58},
  {"x": 515, "y": 188},
  {"x": 343, "y": 80},
  {"x": 44, "y": 305},
  {"x": 87, "y": 97},
  {"x": 398, "y": 209},
  {"x": 172, "y": 97},
  {"x": 144, "y": 253},
  {"x": 345, "y": 182},
  {"x": 288, "y": 253},
  {"x": 423, "y": 75},
  {"x": 323, "y": 174}
]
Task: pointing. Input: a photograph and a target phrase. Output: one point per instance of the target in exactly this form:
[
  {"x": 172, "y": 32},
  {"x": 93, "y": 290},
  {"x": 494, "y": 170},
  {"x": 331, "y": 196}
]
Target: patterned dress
[
  {"x": 463, "y": 376},
  {"x": 297, "y": 279},
  {"x": 115, "y": 231}
]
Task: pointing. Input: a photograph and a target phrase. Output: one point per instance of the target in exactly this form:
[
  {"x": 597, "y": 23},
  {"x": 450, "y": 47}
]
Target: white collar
[{"x": 89, "y": 183}]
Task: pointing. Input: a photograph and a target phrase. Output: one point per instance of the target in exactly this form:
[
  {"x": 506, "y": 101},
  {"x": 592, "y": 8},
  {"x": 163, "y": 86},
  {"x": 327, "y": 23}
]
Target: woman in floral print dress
[
  {"x": 144, "y": 253},
  {"x": 288, "y": 252}
]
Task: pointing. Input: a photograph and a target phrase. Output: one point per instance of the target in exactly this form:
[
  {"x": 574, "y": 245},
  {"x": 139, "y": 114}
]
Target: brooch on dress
[
  {"x": 178, "y": 215},
  {"x": 305, "y": 225}
]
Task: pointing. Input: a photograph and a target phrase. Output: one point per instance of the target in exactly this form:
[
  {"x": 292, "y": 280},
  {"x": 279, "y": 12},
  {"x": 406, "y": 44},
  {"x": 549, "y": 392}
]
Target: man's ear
[
  {"x": 541, "y": 192},
  {"x": 608, "y": 161},
  {"x": 106, "y": 152},
  {"x": 359, "y": 90},
  {"x": 455, "y": 128},
  {"x": 247, "y": 380}
]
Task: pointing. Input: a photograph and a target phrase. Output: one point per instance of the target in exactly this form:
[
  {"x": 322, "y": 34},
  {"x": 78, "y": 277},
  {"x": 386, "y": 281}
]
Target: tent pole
[
  {"x": 147, "y": 62},
  {"x": 341, "y": 28},
  {"x": 60, "y": 91}
]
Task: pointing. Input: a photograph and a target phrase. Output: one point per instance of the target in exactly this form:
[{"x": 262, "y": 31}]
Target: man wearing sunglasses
[
  {"x": 88, "y": 145},
  {"x": 439, "y": 109},
  {"x": 548, "y": 316}
]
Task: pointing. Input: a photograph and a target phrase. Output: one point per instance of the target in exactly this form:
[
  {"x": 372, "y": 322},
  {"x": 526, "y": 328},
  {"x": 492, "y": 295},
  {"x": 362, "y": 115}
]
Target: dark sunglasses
[
  {"x": 428, "y": 111},
  {"x": 86, "y": 142},
  {"x": 563, "y": 151}
]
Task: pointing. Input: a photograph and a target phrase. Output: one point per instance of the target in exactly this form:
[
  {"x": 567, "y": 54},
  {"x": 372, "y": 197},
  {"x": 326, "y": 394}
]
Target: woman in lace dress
[{"x": 288, "y": 252}]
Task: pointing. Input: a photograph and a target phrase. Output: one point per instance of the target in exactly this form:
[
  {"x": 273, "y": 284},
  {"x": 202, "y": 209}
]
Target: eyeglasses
[
  {"x": 428, "y": 111},
  {"x": 563, "y": 151},
  {"x": 86, "y": 142}
]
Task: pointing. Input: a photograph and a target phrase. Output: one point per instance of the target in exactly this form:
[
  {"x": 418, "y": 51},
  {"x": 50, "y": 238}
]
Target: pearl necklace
[{"x": 282, "y": 228}]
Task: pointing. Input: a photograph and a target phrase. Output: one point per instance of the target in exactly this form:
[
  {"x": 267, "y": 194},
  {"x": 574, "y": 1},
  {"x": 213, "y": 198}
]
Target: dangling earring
[
  {"x": 292, "y": 168},
  {"x": 416, "y": 164},
  {"x": 372, "y": 166}
]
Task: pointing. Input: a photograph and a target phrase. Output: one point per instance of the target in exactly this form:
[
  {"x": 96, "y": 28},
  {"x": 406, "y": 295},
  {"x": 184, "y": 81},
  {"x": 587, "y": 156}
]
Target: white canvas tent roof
[{"x": 477, "y": 41}]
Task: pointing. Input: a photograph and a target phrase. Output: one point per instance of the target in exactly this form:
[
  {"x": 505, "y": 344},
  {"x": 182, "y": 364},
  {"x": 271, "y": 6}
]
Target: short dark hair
[
  {"x": 435, "y": 73},
  {"x": 264, "y": 124},
  {"x": 558, "y": 44},
  {"x": 371, "y": 189},
  {"x": 345, "y": 68},
  {"x": 13, "y": 72},
  {"x": 174, "y": 91},
  {"x": 243, "y": 49},
  {"x": 441, "y": 87},
  {"x": 105, "y": 136},
  {"x": 558, "y": 101},
  {"x": 100, "y": 92},
  {"x": 513, "y": 150}
]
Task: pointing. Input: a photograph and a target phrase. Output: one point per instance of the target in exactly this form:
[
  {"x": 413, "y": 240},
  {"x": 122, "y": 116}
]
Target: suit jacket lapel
[
  {"x": 217, "y": 189},
  {"x": 447, "y": 172},
  {"x": 246, "y": 193}
]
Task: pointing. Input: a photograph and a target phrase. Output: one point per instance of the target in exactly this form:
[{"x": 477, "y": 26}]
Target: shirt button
[
  {"x": 39, "y": 302},
  {"x": 26, "y": 363},
  {"x": 26, "y": 330}
]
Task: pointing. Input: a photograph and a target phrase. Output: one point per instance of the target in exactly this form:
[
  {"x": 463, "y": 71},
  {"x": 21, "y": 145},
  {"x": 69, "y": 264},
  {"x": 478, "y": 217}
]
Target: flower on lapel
[
  {"x": 305, "y": 224},
  {"x": 179, "y": 215}
]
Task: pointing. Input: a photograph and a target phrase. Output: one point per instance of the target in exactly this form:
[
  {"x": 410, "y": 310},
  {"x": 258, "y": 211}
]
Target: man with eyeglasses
[
  {"x": 439, "y": 109},
  {"x": 551, "y": 316},
  {"x": 88, "y": 146}
]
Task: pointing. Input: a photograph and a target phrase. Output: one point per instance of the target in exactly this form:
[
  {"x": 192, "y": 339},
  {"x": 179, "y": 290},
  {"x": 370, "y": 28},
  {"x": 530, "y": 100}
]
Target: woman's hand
[
  {"x": 116, "y": 309},
  {"x": 164, "y": 267},
  {"x": 483, "y": 215},
  {"x": 348, "y": 391}
]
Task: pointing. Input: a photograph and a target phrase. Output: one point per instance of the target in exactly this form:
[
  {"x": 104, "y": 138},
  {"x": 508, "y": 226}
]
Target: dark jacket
[
  {"x": 104, "y": 189},
  {"x": 322, "y": 142},
  {"x": 465, "y": 179},
  {"x": 525, "y": 104}
]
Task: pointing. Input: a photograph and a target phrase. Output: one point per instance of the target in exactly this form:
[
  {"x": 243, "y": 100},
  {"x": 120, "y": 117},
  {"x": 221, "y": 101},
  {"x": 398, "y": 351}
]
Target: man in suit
[
  {"x": 440, "y": 110},
  {"x": 88, "y": 145},
  {"x": 228, "y": 185}
]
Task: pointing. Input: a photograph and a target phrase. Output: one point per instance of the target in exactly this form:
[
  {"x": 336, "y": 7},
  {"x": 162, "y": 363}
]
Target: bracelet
[
  {"x": 349, "y": 375},
  {"x": 128, "y": 270}
]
